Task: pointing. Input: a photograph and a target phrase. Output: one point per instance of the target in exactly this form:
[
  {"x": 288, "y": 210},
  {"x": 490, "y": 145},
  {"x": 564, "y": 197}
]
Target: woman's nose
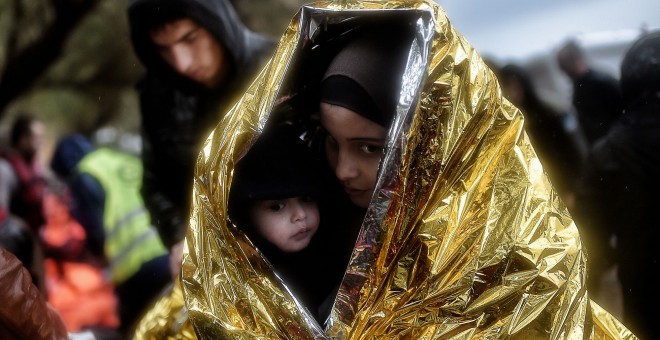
[{"x": 346, "y": 168}]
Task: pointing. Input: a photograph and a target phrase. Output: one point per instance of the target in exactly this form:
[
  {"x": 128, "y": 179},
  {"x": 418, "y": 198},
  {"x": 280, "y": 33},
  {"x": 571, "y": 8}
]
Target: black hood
[
  {"x": 640, "y": 70},
  {"x": 69, "y": 151},
  {"x": 217, "y": 16}
]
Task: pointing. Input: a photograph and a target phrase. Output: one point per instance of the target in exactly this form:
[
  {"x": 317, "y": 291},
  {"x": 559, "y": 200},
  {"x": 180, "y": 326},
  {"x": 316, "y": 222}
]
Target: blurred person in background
[
  {"x": 15, "y": 235},
  {"x": 621, "y": 186},
  {"x": 199, "y": 58},
  {"x": 22, "y": 190},
  {"x": 105, "y": 186},
  {"x": 78, "y": 285},
  {"x": 25, "y": 184},
  {"x": 562, "y": 149},
  {"x": 596, "y": 95},
  {"x": 556, "y": 136}
]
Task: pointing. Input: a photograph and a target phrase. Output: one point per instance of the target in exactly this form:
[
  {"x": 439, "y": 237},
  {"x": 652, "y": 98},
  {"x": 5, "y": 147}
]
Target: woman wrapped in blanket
[{"x": 458, "y": 233}]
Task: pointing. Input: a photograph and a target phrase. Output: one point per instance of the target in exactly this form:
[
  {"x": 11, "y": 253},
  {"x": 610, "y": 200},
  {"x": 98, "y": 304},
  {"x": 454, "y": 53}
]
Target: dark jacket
[
  {"x": 177, "y": 114},
  {"x": 628, "y": 165},
  {"x": 622, "y": 178},
  {"x": 88, "y": 196},
  {"x": 621, "y": 194}
]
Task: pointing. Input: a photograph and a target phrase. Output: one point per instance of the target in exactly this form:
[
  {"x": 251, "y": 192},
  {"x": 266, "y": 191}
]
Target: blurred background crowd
[{"x": 69, "y": 67}]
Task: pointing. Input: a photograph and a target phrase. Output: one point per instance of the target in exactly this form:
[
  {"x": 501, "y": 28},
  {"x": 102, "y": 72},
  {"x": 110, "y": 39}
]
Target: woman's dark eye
[{"x": 369, "y": 148}]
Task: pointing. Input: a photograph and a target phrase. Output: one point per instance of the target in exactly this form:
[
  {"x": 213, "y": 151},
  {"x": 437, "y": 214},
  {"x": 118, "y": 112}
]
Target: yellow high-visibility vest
[{"x": 130, "y": 239}]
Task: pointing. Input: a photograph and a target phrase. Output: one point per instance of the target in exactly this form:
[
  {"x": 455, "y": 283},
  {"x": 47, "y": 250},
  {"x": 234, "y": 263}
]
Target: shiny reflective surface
[
  {"x": 465, "y": 237},
  {"x": 167, "y": 318}
]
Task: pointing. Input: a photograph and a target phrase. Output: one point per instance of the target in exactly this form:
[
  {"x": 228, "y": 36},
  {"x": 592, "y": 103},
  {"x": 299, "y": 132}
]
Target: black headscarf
[
  {"x": 279, "y": 165},
  {"x": 366, "y": 75}
]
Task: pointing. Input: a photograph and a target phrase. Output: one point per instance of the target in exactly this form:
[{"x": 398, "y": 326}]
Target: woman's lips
[{"x": 354, "y": 192}]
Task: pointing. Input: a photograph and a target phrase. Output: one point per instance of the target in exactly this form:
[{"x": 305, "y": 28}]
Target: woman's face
[{"x": 353, "y": 147}]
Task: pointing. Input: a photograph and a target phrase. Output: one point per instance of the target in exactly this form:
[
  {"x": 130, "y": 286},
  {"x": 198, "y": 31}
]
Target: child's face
[{"x": 289, "y": 223}]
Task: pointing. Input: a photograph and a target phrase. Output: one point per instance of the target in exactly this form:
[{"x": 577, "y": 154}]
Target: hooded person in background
[
  {"x": 620, "y": 190},
  {"x": 596, "y": 95},
  {"x": 25, "y": 186},
  {"x": 199, "y": 58}
]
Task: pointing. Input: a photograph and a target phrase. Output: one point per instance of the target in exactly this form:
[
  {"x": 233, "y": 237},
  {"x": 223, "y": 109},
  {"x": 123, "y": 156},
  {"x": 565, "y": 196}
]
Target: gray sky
[{"x": 517, "y": 29}]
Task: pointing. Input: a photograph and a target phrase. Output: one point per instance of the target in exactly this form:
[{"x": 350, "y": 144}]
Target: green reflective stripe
[
  {"x": 125, "y": 220},
  {"x": 118, "y": 261}
]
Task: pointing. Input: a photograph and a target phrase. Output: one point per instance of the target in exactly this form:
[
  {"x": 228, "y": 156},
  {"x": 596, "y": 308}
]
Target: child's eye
[
  {"x": 276, "y": 206},
  {"x": 370, "y": 148}
]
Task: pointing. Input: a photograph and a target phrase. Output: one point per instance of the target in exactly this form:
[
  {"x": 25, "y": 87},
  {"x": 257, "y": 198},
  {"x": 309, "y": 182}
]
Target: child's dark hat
[{"x": 279, "y": 165}]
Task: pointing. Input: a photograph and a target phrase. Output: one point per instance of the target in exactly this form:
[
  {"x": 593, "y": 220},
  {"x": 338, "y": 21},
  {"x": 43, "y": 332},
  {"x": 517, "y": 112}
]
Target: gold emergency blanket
[
  {"x": 465, "y": 237},
  {"x": 167, "y": 318}
]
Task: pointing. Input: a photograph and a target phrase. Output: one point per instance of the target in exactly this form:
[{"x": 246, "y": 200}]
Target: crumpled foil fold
[{"x": 167, "y": 318}]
